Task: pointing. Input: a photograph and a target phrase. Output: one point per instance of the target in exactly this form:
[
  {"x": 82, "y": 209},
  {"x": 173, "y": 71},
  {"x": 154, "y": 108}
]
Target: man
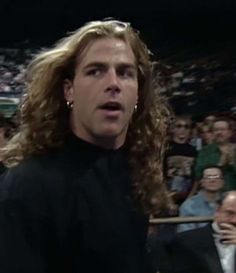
[
  {"x": 84, "y": 170},
  {"x": 204, "y": 203},
  {"x": 209, "y": 119},
  {"x": 221, "y": 153},
  {"x": 179, "y": 160},
  {"x": 206, "y": 134},
  {"x": 209, "y": 249}
]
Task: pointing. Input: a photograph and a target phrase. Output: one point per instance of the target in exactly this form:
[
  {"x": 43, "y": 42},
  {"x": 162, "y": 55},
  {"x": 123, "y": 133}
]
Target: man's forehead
[
  {"x": 230, "y": 202},
  {"x": 101, "y": 49},
  {"x": 221, "y": 123},
  {"x": 182, "y": 120}
]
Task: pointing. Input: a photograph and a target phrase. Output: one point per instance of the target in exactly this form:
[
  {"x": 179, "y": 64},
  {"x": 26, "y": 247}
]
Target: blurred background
[{"x": 193, "y": 42}]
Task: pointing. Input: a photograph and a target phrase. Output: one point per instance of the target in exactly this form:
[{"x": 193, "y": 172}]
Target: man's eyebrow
[
  {"x": 95, "y": 64},
  {"x": 103, "y": 64},
  {"x": 127, "y": 65}
]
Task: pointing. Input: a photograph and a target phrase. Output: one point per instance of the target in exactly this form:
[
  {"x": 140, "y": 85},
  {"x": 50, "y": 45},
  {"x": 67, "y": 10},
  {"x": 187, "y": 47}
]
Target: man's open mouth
[{"x": 111, "y": 106}]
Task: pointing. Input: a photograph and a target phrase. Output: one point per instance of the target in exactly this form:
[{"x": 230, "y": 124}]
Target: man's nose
[{"x": 113, "y": 81}]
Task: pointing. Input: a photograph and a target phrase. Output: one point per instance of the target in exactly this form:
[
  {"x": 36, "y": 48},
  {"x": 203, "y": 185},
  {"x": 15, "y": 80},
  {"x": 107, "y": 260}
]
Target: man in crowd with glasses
[{"x": 205, "y": 202}]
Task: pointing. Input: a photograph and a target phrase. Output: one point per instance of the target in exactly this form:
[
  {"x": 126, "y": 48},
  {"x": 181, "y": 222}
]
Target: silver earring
[
  {"x": 135, "y": 108},
  {"x": 69, "y": 104}
]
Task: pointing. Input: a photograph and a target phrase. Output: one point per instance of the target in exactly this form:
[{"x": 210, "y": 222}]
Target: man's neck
[
  {"x": 211, "y": 196},
  {"x": 179, "y": 141},
  {"x": 110, "y": 142}
]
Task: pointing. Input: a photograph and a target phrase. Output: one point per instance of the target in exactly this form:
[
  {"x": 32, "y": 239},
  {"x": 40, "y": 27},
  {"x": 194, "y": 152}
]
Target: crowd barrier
[{"x": 180, "y": 220}]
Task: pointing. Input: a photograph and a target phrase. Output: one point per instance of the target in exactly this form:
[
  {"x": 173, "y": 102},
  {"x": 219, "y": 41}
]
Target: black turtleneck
[{"x": 70, "y": 211}]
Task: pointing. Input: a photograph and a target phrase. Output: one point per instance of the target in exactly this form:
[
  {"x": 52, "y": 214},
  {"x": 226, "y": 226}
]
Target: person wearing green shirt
[{"x": 222, "y": 153}]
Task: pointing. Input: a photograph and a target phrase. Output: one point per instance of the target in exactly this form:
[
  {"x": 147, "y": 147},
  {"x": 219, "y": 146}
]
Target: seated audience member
[
  {"x": 206, "y": 133},
  {"x": 196, "y": 139},
  {"x": 209, "y": 249},
  {"x": 222, "y": 153},
  {"x": 6, "y": 128},
  {"x": 233, "y": 126},
  {"x": 179, "y": 160},
  {"x": 209, "y": 119},
  {"x": 205, "y": 202}
]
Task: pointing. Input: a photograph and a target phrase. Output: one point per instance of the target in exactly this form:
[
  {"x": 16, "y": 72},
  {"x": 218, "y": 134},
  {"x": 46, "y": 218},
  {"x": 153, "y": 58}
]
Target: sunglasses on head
[{"x": 185, "y": 126}]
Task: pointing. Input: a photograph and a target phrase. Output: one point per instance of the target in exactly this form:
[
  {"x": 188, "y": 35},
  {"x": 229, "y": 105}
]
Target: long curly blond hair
[{"x": 45, "y": 116}]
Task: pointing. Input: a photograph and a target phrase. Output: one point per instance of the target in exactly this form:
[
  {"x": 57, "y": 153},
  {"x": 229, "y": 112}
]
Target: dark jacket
[
  {"x": 195, "y": 251},
  {"x": 71, "y": 211}
]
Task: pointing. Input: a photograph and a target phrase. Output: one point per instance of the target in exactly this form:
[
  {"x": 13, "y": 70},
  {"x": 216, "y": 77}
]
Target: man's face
[
  {"x": 207, "y": 135},
  {"x": 181, "y": 132},
  {"x": 212, "y": 180},
  {"x": 210, "y": 119},
  {"x": 222, "y": 132},
  {"x": 226, "y": 213},
  {"x": 104, "y": 91}
]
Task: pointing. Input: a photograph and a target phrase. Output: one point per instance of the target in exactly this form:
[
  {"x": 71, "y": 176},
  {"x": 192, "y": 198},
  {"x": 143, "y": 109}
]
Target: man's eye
[
  {"x": 127, "y": 73},
  {"x": 94, "y": 72}
]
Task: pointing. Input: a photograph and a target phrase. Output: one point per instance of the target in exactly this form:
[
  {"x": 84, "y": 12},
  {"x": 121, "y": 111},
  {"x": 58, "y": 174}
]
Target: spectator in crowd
[
  {"x": 7, "y": 128},
  {"x": 179, "y": 160},
  {"x": 209, "y": 119},
  {"x": 207, "y": 134},
  {"x": 221, "y": 153},
  {"x": 13, "y": 63},
  {"x": 196, "y": 139},
  {"x": 233, "y": 127},
  {"x": 85, "y": 168},
  {"x": 205, "y": 202},
  {"x": 209, "y": 249}
]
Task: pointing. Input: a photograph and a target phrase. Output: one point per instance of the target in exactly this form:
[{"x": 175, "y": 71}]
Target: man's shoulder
[
  {"x": 193, "y": 242},
  {"x": 34, "y": 165},
  {"x": 208, "y": 148},
  {"x": 30, "y": 175},
  {"x": 193, "y": 235},
  {"x": 191, "y": 206},
  {"x": 193, "y": 200}
]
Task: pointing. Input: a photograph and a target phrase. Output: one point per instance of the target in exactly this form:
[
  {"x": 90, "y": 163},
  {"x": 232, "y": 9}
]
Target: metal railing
[{"x": 180, "y": 220}]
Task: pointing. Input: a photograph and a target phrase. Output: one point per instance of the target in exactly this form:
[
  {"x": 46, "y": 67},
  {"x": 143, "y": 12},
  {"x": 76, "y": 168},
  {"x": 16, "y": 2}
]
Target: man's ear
[{"x": 68, "y": 90}]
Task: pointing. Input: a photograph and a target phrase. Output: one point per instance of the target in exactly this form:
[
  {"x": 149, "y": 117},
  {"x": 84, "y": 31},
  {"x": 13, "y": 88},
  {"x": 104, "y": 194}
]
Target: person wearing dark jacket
[
  {"x": 84, "y": 171},
  {"x": 209, "y": 249}
]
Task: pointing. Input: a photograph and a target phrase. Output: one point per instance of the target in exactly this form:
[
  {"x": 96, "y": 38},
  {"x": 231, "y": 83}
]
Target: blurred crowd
[
  {"x": 13, "y": 62},
  {"x": 199, "y": 171}
]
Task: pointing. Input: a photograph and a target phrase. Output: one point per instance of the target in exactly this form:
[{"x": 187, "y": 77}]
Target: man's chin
[
  {"x": 109, "y": 134},
  {"x": 114, "y": 130}
]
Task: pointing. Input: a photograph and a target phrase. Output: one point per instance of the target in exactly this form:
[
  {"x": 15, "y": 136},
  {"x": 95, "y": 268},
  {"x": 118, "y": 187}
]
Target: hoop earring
[{"x": 69, "y": 104}]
